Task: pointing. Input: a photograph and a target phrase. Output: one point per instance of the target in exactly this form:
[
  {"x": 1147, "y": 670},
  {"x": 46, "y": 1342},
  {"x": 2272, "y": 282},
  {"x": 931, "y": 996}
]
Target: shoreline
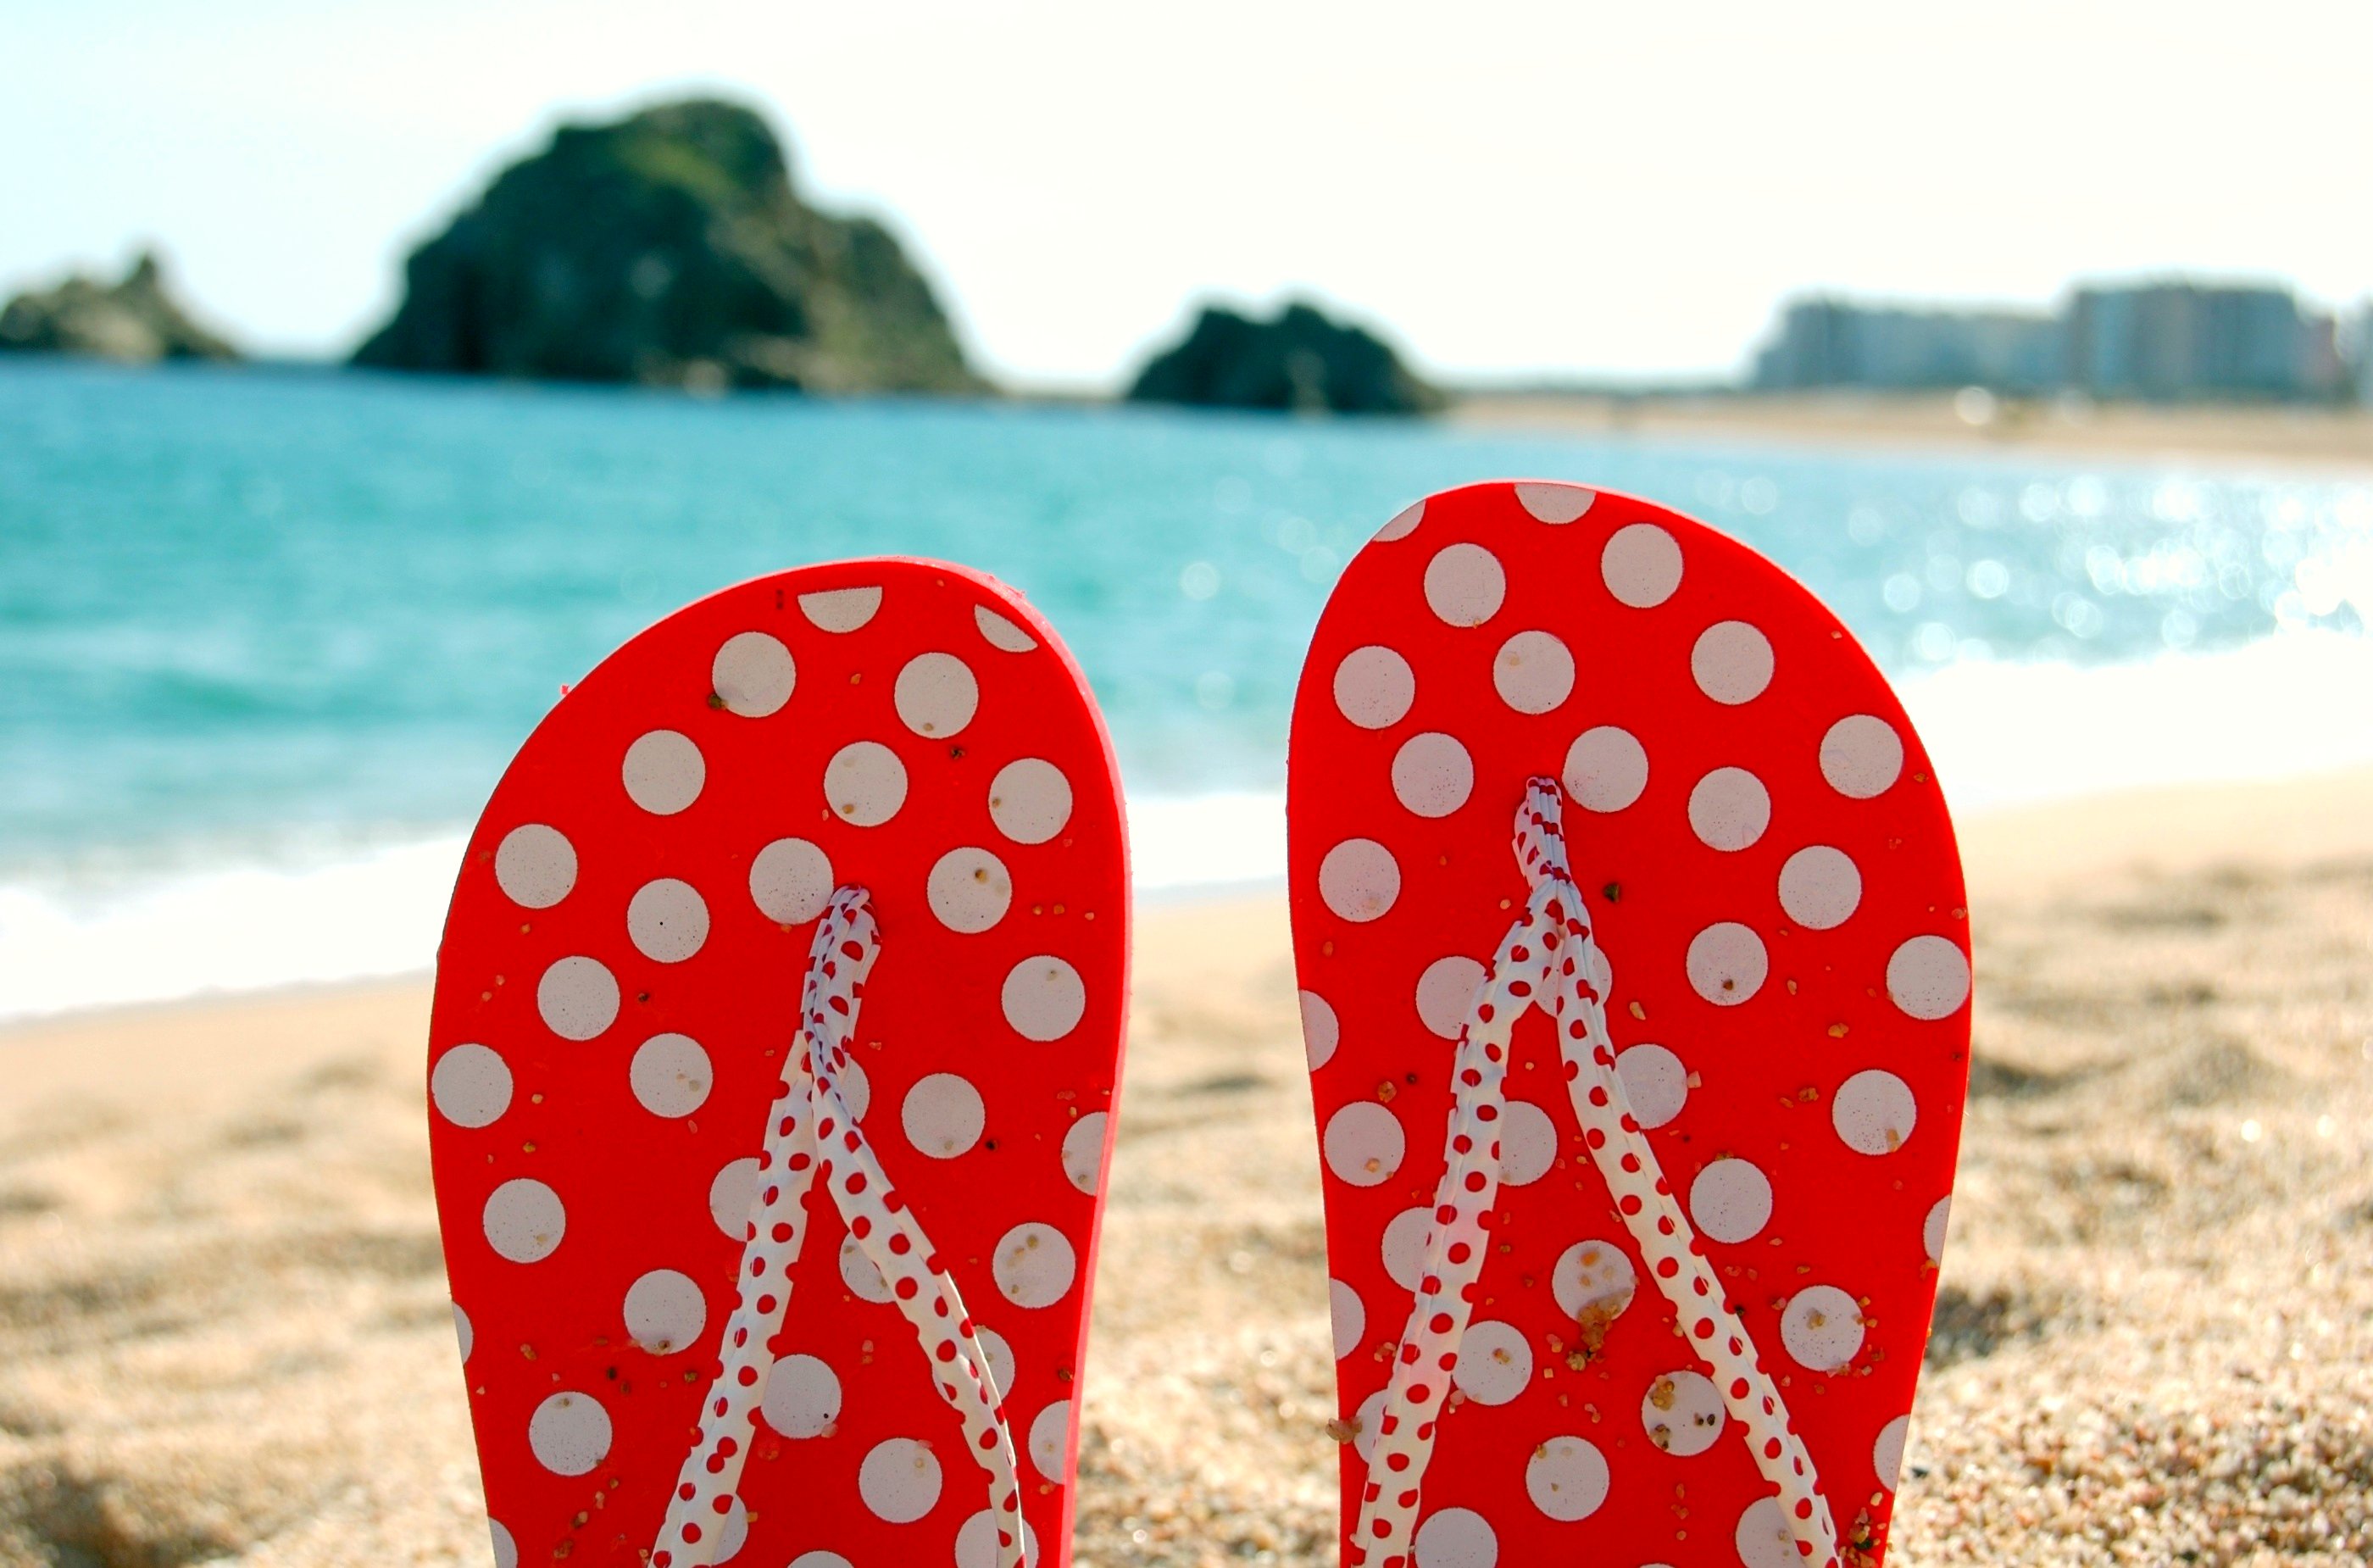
[{"x": 2293, "y": 441}]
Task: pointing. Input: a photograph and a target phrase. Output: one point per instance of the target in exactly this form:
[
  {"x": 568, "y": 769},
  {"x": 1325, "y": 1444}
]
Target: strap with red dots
[
  {"x": 745, "y": 1271},
  {"x": 1720, "y": 1044}
]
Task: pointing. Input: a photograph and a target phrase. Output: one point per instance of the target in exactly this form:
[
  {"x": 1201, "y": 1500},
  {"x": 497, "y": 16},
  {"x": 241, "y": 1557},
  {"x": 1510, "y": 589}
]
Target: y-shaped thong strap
[
  {"x": 1548, "y": 959},
  {"x": 811, "y": 1134}
]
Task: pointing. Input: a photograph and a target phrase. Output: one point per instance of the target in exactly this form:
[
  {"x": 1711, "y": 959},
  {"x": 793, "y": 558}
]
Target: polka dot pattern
[
  {"x": 1748, "y": 863},
  {"x": 625, "y": 1002}
]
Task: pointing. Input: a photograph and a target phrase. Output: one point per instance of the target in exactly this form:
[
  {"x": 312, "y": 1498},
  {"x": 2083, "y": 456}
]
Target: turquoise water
[{"x": 272, "y": 618}]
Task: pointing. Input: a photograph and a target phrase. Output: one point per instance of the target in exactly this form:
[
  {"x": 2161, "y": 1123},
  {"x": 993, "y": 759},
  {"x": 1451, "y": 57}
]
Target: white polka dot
[
  {"x": 1084, "y": 1152},
  {"x": 802, "y": 1396},
  {"x": 1682, "y": 1412},
  {"x": 471, "y": 1086},
  {"x": 1732, "y": 663},
  {"x": 505, "y": 1549},
  {"x": 732, "y": 1531},
  {"x": 1862, "y": 756},
  {"x": 1593, "y": 1275},
  {"x": 840, "y": 609},
  {"x": 1455, "y": 1537},
  {"x": 1000, "y": 1356},
  {"x": 977, "y": 1542},
  {"x": 1821, "y": 1327},
  {"x": 1030, "y": 801},
  {"x": 1874, "y": 1112},
  {"x": 865, "y": 783},
  {"x": 569, "y": 1433},
  {"x": 1050, "y": 1441},
  {"x": 1464, "y": 584},
  {"x": 1403, "y": 1246},
  {"x": 1729, "y": 809},
  {"x": 1347, "y": 1315},
  {"x": 1763, "y": 1539},
  {"x": 1043, "y": 997},
  {"x": 1532, "y": 673},
  {"x": 1000, "y": 633},
  {"x": 733, "y": 1196},
  {"x": 1642, "y": 565},
  {"x": 1363, "y": 1143},
  {"x": 1320, "y": 1031},
  {"x": 1034, "y": 1265},
  {"x": 667, "y": 919},
  {"x": 942, "y": 1115},
  {"x": 1403, "y": 525},
  {"x": 1606, "y": 768},
  {"x": 463, "y": 1335},
  {"x": 936, "y": 694},
  {"x": 856, "y": 1088},
  {"x": 1726, "y": 964},
  {"x": 577, "y": 997},
  {"x": 1547, "y": 501},
  {"x": 1932, "y": 1229},
  {"x": 663, "y": 772},
  {"x": 1654, "y": 1081},
  {"x": 1494, "y": 1362},
  {"x": 858, "y": 1272},
  {"x": 752, "y": 675},
  {"x": 1731, "y": 1200},
  {"x": 1886, "y": 1452},
  {"x": 1446, "y": 994},
  {"x": 1819, "y": 886},
  {"x": 790, "y": 881},
  {"x": 1373, "y": 687},
  {"x": 524, "y": 1220},
  {"x": 1928, "y": 978},
  {"x": 899, "y": 1480},
  {"x": 1366, "y": 1423},
  {"x": 1529, "y": 1143},
  {"x": 1432, "y": 775},
  {"x": 1359, "y": 879},
  {"x": 1566, "y": 1477},
  {"x": 969, "y": 890},
  {"x": 535, "y": 866},
  {"x": 820, "y": 1559},
  {"x": 665, "y": 1312}
]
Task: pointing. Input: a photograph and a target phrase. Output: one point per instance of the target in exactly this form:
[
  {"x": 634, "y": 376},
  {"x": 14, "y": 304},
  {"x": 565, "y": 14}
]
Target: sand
[
  {"x": 224, "y": 1330},
  {"x": 2309, "y": 440}
]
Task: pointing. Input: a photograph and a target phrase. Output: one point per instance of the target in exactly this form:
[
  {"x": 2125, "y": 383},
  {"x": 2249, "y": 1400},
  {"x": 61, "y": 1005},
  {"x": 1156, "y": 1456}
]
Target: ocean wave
[{"x": 1999, "y": 733}]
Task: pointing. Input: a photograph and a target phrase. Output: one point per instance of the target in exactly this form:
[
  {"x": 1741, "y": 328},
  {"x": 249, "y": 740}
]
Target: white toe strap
[
  {"x": 1549, "y": 959},
  {"x": 809, "y": 1132}
]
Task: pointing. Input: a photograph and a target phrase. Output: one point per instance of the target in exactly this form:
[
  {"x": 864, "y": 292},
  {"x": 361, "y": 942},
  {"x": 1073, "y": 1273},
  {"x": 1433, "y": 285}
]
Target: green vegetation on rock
[
  {"x": 1300, "y": 362},
  {"x": 670, "y": 249},
  {"x": 136, "y": 320}
]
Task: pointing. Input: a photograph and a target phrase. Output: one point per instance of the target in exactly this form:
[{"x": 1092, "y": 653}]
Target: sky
[{"x": 1508, "y": 191}]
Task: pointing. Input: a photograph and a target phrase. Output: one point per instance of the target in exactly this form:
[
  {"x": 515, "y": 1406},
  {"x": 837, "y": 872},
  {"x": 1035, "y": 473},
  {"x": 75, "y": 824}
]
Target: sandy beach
[
  {"x": 224, "y": 1332},
  {"x": 2297, "y": 437}
]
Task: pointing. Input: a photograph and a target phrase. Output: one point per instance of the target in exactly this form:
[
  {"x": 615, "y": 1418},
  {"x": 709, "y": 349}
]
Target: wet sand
[{"x": 224, "y": 1331}]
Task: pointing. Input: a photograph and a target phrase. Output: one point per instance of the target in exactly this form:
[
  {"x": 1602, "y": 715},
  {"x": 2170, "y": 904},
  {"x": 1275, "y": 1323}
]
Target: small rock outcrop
[
  {"x": 1300, "y": 362},
  {"x": 136, "y": 320},
  {"x": 670, "y": 248}
]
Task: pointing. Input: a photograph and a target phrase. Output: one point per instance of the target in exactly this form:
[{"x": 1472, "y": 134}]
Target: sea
[{"x": 269, "y": 635}]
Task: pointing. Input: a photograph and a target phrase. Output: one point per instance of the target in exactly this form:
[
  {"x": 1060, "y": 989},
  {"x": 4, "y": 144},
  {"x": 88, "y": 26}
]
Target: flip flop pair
[
  {"x": 1634, "y": 979},
  {"x": 776, "y": 1032}
]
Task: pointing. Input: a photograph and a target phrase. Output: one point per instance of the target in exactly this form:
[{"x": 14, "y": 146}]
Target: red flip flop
[
  {"x": 1634, "y": 968},
  {"x": 777, "y": 1028}
]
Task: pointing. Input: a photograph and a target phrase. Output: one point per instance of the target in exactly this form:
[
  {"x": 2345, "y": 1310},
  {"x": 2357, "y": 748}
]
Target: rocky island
[
  {"x": 1299, "y": 361},
  {"x": 136, "y": 320},
  {"x": 673, "y": 249}
]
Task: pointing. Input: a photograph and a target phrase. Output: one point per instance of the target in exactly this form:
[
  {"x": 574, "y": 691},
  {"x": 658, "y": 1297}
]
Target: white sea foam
[{"x": 1999, "y": 733}]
